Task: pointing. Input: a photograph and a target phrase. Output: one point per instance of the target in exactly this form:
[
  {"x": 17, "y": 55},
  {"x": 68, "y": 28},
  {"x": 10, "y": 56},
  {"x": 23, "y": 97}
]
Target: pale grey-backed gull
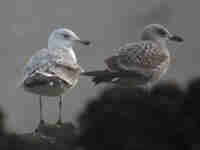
[{"x": 54, "y": 70}]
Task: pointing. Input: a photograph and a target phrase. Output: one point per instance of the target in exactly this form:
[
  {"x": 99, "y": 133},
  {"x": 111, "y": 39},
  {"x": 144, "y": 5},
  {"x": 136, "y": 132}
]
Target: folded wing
[
  {"x": 53, "y": 63},
  {"x": 142, "y": 57},
  {"x": 100, "y": 76}
]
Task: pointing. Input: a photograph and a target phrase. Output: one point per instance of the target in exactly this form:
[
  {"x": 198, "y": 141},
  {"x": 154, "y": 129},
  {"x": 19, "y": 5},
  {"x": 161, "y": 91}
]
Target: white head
[
  {"x": 64, "y": 38},
  {"x": 157, "y": 32}
]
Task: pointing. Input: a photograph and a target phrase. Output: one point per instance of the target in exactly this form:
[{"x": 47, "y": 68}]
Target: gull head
[
  {"x": 64, "y": 38},
  {"x": 157, "y": 32}
]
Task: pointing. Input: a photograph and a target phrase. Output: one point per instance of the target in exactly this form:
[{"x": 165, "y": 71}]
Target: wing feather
[
  {"x": 141, "y": 57},
  {"x": 55, "y": 62}
]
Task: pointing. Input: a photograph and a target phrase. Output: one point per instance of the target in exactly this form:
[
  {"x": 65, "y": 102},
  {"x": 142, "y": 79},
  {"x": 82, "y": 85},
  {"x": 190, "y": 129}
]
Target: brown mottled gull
[{"x": 139, "y": 63}]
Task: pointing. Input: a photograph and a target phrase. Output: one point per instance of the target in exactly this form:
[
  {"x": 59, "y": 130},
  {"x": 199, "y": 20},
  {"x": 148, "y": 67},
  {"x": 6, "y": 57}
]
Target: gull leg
[
  {"x": 60, "y": 110},
  {"x": 41, "y": 111},
  {"x": 41, "y": 114}
]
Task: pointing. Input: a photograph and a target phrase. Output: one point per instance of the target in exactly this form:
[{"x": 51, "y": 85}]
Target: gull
[
  {"x": 139, "y": 63},
  {"x": 54, "y": 70}
]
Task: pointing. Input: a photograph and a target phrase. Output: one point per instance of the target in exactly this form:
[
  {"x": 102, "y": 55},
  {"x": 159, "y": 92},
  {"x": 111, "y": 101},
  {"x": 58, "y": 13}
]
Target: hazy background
[{"x": 26, "y": 24}]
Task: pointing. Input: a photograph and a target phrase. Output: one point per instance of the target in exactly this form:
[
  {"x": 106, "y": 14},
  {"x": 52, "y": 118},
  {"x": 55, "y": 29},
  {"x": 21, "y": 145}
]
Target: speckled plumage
[
  {"x": 51, "y": 65},
  {"x": 146, "y": 57},
  {"x": 54, "y": 70},
  {"x": 139, "y": 63}
]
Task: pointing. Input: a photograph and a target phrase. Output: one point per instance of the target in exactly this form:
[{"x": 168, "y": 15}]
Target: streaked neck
[
  {"x": 58, "y": 45},
  {"x": 68, "y": 49},
  {"x": 146, "y": 36},
  {"x": 161, "y": 42}
]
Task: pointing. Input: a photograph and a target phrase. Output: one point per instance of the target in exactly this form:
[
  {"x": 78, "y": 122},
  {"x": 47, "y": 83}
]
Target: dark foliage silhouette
[
  {"x": 191, "y": 112},
  {"x": 166, "y": 117},
  {"x": 24, "y": 142},
  {"x": 121, "y": 119}
]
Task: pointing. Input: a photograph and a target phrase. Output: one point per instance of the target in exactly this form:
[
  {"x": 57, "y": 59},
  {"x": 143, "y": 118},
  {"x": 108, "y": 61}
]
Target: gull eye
[
  {"x": 161, "y": 32},
  {"x": 66, "y": 36}
]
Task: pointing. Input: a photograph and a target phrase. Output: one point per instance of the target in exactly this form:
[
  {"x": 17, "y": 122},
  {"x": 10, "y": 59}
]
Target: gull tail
[{"x": 100, "y": 76}]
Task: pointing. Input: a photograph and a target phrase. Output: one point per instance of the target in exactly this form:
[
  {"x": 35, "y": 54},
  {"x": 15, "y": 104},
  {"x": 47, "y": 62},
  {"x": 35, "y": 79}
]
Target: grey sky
[{"x": 26, "y": 25}]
